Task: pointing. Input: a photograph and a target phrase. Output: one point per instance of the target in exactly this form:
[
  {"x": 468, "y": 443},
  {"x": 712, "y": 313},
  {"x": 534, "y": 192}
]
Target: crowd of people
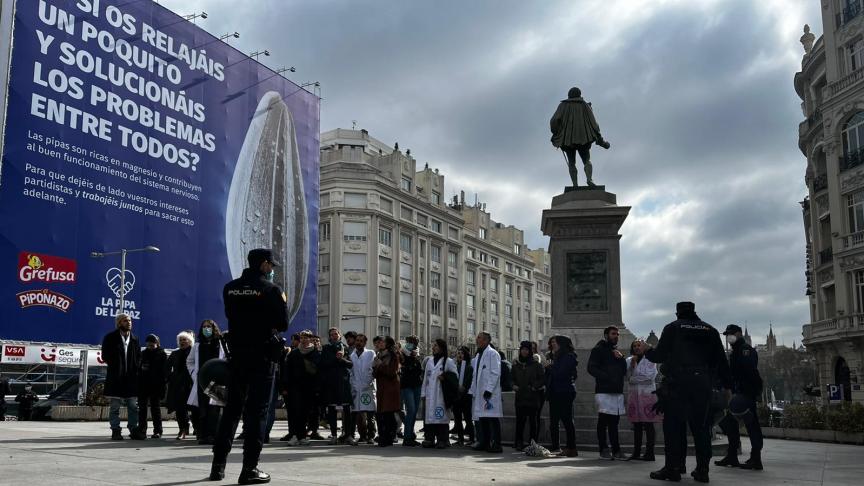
[{"x": 379, "y": 392}]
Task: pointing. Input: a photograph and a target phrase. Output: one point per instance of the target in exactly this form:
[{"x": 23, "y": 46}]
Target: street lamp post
[{"x": 122, "y": 252}]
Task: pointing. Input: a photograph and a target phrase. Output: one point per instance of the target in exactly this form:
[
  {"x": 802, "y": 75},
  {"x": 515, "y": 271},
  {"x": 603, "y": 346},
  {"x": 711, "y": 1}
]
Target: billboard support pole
[
  {"x": 123, "y": 280},
  {"x": 82, "y": 378}
]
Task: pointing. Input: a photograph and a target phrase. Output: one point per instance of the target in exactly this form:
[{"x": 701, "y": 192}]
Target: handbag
[{"x": 449, "y": 386}]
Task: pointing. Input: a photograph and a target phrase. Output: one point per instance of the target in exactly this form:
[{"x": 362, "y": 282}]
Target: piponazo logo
[
  {"x": 44, "y": 298},
  {"x": 33, "y": 267}
]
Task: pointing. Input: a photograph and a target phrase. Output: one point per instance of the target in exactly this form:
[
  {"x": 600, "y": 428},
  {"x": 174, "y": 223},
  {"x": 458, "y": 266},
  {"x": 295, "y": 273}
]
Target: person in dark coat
[
  {"x": 180, "y": 382},
  {"x": 26, "y": 399},
  {"x": 298, "y": 381},
  {"x": 410, "y": 381},
  {"x": 574, "y": 130},
  {"x": 463, "y": 423},
  {"x": 121, "y": 352},
  {"x": 151, "y": 385},
  {"x": 561, "y": 391},
  {"x": 528, "y": 379},
  {"x": 5, "y": 389},
  {"x": 335, "y": 378},
  {"x": 608, "y": 366},
  {"x": 385, "y": 369},
  {"x": 506, "y": 373},
  {"x": 747, "y": 390}
]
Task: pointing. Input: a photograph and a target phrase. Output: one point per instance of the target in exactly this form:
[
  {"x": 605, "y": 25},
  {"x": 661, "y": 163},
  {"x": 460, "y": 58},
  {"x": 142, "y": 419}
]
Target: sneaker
[
  {"x": 293, "y": 442},
  {"x": 556, "y": 451},
  {"x": 305, "y": 442},
  {"x": 157, "y": 435},
  {"x": 217, "y": 471},
  {"x": 253, "y": 476},
  {"x": 351, "y": 441},
  {"x": 606, "y": 455}
]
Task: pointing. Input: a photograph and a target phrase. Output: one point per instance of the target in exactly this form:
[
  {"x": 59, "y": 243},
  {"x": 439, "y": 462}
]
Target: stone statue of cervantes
[{"x": 574, "y": 130}]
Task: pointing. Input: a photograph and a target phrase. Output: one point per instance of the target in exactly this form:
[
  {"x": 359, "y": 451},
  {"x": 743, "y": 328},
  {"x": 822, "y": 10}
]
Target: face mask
[
  {"x": 270, "y": 276},
  {"x": 731, "y": 339},
  {"x": 207, "y": 332},
  {"x": 409, "y": 347}
]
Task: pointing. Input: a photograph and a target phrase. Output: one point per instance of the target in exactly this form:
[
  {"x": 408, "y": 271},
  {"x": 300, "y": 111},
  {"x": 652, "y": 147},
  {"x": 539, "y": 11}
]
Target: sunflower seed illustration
[{"x": 266, "y": 204}]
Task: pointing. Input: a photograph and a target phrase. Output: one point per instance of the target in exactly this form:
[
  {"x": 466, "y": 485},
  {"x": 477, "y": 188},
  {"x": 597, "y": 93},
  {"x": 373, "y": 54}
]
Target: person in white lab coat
[
  {"x": 486, "y": 390},
  {"x": 362, "y": 391},
  {"x": 642, "y": 375},
  {"x": 208, "y": 345},
  {"x": 436, "y": 418}
]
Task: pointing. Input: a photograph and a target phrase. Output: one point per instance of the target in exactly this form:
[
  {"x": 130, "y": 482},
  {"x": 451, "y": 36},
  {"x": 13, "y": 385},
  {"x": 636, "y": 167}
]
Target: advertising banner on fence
[
  {"x": 127, "y": 127},
  {"x": 32, "y": 354}
]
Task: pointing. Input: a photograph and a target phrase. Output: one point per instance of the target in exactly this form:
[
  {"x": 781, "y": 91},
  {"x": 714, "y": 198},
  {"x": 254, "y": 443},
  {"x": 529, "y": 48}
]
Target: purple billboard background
[{"x": 50, "y": 166}]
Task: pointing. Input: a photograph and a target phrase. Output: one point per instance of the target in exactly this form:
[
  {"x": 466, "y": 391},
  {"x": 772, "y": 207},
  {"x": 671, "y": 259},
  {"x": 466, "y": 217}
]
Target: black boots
[
  {"x": 754, "y": 463},
  {"x": 116, "y": 434},
  {"x": 253, "y": 476},
  {"x": 217, "y": 471},
  {"x": 700, "y": 474},
  {"x": 666, "y": 474},
  {"x": 731, "y": 460}
]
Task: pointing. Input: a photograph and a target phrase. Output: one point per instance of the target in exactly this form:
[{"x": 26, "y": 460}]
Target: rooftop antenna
[{"x": 353, "y": 124}]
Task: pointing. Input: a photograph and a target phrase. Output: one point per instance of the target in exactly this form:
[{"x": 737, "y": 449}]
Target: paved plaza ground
[{"x": 78, "y": 453}]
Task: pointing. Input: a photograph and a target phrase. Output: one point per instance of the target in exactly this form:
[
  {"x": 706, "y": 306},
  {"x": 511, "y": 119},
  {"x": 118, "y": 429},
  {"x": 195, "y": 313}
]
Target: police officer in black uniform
[
  {"x": 257, "y": 311},
  {"x": 693, "y": 355},
  {"x": 746, "y": 389}
]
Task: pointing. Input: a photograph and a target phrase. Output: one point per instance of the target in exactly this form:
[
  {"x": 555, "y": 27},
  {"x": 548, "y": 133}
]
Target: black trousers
[
  {"x": 490, "y": 432},
  {"x": 524, "y": 414},
  {"x": 182, "y": 416},
  {"x": 650, "y": 434},
  {"x": 561, "y": 410},
  {"x": 436, "y": 433},
  {"x": 300, "y": 405},
  {"x": 608, "y": 423},
  {"x": 153, "y": 402},
  {"x": 729, "y": 424},
  {"x": 332, "y": 418},
  {"x": 386, "y": 428},
  {"x": 463, "y": 423},
  {"x": 250, "y": 384},
  {"x": 689, "y": 403},
  {"x": 208, "y": 417},
  {"x": 365, "y": 422}
]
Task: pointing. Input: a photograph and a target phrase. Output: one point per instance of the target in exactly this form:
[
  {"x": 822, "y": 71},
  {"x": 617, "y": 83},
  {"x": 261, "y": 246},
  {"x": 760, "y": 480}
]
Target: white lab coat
[
  {"x": 192, "y": 365},
  {"x": 487, "y": 377},
  {"x": 642, "y": 378},
  {"x": 362, "y": 382},
  {"x": 432, "y": 392}
]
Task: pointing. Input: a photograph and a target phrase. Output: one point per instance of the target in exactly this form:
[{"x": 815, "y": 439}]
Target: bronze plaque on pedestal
[{"x": 587, "y": 281}]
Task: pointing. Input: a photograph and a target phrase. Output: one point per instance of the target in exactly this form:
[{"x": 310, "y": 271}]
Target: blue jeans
[
  {"x": 131, "y": 404},
  {"x": 411, "y": 401}
]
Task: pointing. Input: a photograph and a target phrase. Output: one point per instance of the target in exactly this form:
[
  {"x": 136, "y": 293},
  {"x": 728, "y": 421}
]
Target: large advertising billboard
[{"x": 127, "y": 127}]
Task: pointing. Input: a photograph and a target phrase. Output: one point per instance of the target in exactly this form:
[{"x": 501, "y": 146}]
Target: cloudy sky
[{"x": 696, "y": 97}]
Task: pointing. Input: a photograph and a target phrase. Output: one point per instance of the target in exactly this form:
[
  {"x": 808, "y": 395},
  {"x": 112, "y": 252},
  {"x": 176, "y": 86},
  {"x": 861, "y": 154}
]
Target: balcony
[
  {"x": 853, "y": 240},
  {"x": 834, "y": 329},
  {"x": 820, "y": 183},
  {"x": 852, "y": 159},
  {"x": 826, "y": 256},
  {"x": 844, "y": 82}
]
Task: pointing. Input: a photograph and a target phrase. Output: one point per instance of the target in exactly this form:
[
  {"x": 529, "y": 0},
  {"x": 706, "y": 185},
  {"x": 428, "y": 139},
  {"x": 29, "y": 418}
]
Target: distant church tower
[
  {"x": 652, "y": 339},
  {"x": 771, "y": 343},
  {"x": 747, "y": 338}
]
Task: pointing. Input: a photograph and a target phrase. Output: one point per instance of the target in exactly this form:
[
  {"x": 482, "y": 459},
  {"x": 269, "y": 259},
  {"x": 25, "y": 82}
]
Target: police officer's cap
[
  {"x": 732, "y": 329},
  {"x": 685, "y": 307},
  {"x": 260, "y": 255}
]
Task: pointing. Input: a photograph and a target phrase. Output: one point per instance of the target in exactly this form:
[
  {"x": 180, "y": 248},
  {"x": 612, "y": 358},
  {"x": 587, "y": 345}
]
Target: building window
[
  {"x": 406, "y": 183},
  {"x": 353, "y": 294},
  {"x": 453, "y": 232},
  {"x": 325, "y": 199},
  {"x": 435, "y": 254},
  {"x": 324, "y": 294},
  {"x": 855, "y": 55},
  {"x": 508, "y": 310},
  {"x": 405, "y": 243},
  {"x": 469, "y": 301},
  {"x": 493, "y": 261},
  {"x": 855, "y": 203},
  {"x": 422, "y": 276},
  {"x": 452, "y": 259},
  {"x": 406, "y": 302},
  {"x": 527, "y": 294},
  {"x": 471, "y": 326},
  {"x": 517, "y": 249},
  {"x": 354, "y": 231},
  {"x": 436, "y": 226},
  {"x": 407, "y": 213},
  {"x": 470, "y": 277},
  {"x": 493, "y": 284},
  {"x": 324, "y": 262},
  {"x": 508, "y": 289},
  {"x": 436, "y": 198},
  {"x": 385, "y": 237},
  {"x": 387, "y": 205},
  {"x": 422, "y": 220},
  {"x": 493, "y": 308},
  {"x": 482, "y": 233},
  {"x": 452, "y": 310},
  {"x": 422, "y": 249},
  {"x": 509, "y": 267},
  {"x": 853, "y": 138},
  {"x": 435, "y": 280},
  {"x": 384, "y": 326},
  {"x": 385, "y": 296},
  {"x": 324, "y": 231},
  {"x": 355, "y": 200},
  {"x": 405, "y": 272},
  {"x": 546, "y": 269},
  {"x": 435, "y": 307},
  {"x": 354, "y": 262},
  {"x": 385, "y": 266},
  {"x": 405, "y": 328}
]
